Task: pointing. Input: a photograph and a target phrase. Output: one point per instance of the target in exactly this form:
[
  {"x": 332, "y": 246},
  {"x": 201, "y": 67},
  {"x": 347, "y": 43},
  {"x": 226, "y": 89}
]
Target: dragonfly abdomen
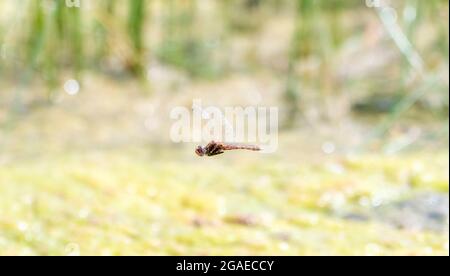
[{"x": 241, "y": 147}]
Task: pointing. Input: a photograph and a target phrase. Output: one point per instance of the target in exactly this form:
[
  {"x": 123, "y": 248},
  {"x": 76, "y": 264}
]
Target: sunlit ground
[
  {"x": 93, "y": 176},
  {"x": 88, "y": 176},
  {"x": 114, "y": 203}
]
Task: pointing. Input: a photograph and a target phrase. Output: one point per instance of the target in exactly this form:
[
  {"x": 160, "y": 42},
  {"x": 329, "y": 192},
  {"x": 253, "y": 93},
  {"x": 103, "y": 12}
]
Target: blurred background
[{"x": 87, "y": 166}]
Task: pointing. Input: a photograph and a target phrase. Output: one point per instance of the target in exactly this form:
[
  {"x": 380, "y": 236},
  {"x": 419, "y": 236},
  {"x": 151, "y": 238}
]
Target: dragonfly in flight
[{"x": 216, "y": 148}]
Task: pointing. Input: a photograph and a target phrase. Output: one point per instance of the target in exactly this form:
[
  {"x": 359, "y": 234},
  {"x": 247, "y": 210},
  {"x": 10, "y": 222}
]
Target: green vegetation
[{"x": 119, "y": 37}]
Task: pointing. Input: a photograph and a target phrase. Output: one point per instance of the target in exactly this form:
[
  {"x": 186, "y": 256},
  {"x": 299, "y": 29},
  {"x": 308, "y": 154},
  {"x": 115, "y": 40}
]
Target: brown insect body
[{"x": 216, "y": 148}]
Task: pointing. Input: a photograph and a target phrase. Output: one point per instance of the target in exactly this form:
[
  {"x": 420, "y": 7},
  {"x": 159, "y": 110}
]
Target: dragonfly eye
[{"x": 199, "y": 151}]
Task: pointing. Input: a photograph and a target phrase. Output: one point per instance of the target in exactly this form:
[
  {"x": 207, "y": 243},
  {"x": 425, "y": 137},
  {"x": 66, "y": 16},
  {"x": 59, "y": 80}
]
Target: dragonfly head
[{"x": 200, "y": 151}]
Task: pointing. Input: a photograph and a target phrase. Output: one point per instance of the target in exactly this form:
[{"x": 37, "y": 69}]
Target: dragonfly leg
[
  {"x": 213, "y": 147},
  {"x": 215, "y": 153}
]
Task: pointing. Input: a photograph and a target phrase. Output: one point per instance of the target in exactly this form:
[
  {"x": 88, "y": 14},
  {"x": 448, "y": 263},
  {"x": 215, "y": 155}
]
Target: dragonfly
[{"x": 216, "y": 148}]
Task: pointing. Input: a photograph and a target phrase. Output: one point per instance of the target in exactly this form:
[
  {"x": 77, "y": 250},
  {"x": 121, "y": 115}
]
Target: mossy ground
[{"x": 120, "y": 204}]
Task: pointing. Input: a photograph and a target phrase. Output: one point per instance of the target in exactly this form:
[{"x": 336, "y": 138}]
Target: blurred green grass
[{"x": 117, "y": 204}]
